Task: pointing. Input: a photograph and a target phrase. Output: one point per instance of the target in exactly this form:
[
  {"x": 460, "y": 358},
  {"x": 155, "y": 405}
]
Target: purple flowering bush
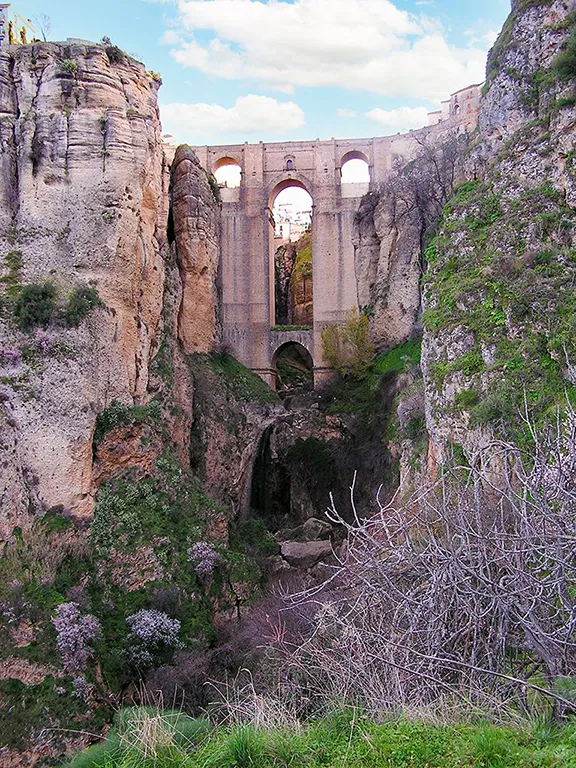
[
  {"x": 204, "y": 558},
  {"x": 152, "y": 633},
  {"x": 10, "y": 355},
  {"x": 82, "y": 689},
  {"x": 75, "y": 634},
  {"x": 45, "y": 341}
]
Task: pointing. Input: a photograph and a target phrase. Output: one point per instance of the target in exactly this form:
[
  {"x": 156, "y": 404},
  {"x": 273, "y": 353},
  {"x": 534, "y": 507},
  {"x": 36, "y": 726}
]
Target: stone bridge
[{"x": 247, "y": 246}]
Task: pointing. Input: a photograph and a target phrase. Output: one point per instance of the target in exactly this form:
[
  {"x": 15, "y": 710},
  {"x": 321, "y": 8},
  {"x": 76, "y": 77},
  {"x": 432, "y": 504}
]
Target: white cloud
[
  {"x": 401, "y": 119},
  {"x": 361, "y": 45},
  {"x": 251, "y": 114},
  {"x": 347, "y": 113}
]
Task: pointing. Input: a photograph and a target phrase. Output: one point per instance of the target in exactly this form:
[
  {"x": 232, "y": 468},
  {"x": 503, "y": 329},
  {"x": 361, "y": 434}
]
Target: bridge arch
[
  {"x": 354, "y": 154},
  {"x": 290, "y": 253},
  {"x": 355, "y": 174},
  {"x": 228, "y": 172},
  {"x": 280, "y": 183},
  {"x": 292, "y": 365},
  {"x": 225, "y": 160}
]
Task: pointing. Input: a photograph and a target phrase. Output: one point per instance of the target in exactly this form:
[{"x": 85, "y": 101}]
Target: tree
[
  {"x": 347, "y": 346},
  {"x": 466, "y": 592},
  {"x": 44, "y": 24}
]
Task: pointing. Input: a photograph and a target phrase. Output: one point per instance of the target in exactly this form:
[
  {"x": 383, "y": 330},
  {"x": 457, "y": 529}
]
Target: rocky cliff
[
  {"x": 392, "y": 226},
  {"x": 113, "y": 413},
  {"x": 498, "y": 296},
  {"x": 84, "y": 205}
]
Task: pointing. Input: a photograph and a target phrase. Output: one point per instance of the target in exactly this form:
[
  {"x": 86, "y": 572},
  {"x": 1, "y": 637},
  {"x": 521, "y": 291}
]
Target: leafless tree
[
  {"x": 44, "y": 23},
  {"x": 465, "y": 592},
  {"x": 419, "y": 190}
]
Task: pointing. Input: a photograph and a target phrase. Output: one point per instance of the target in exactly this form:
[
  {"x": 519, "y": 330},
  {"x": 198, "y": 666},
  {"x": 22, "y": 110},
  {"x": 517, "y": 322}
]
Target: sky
[{"x": 287, "y": 70}]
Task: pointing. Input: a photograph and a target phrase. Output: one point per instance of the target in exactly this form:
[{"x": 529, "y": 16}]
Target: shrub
[
  {"x": 152, "y": 632},
  {"x": 34, "y": 306},
  {"x": 74, "y": 635},
  {"x": 115, "y": 54},
  {"x": 466, "y": 399},
  {"x": 81, "y": 302},
  {"x": 347, "y": 347},
  {"x": 10, "y": 356},
  {"x": 215, "y": 188},
  {"x": 204, "y": 558},
  {"x": 565, "y": 63},
  {"x": 156, "y": 76},
  {"x": 118, "y": 414},
  {"x": 69, "y": 67}
]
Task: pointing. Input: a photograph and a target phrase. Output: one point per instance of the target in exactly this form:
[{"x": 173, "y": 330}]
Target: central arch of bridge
[{"x": 247, "y": 242}]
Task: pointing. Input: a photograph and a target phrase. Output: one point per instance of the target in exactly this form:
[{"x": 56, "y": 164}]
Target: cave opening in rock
[
  {"x": 291, "y": 256},
  {"x": 294, "y": 368}
]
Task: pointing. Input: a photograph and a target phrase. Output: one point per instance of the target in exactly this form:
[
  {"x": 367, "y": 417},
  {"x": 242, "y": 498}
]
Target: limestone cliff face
[
  {"x": 498, "y": 298},
  {"x": 196, "y": 222},
  {"x": 83, "y": 202},
  {"x": 392, "y": 226},
  {"x": 388, "y": 265}
]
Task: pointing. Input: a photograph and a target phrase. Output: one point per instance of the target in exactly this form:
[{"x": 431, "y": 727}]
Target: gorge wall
[
  {"x": 130, "y": 439},
  {"x": 84, "y": 203},
  {"x": 498, "y": 294}
]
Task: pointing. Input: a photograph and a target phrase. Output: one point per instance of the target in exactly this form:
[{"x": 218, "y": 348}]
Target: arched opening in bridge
[
  {"x": 291, "y": 293},
  {"x": 294, "y": 368},
  {"x": 355, "y": 168},
  {"x": 228, "y": 173}
]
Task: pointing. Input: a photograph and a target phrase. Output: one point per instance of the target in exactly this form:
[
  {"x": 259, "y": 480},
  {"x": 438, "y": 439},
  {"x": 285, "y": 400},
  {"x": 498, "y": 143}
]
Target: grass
[
  {"x": 148, "y": 738},
  {"x": 118, "y": 414},
  {"x": 10, "y": 280},
  {"x": 511, "y": 291},
  {"x": 399, "y": 358},
  {"x": 244, "y": 383}
]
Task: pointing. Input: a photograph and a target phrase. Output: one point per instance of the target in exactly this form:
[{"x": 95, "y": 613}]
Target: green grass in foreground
[{"x": 141, "y": 738}]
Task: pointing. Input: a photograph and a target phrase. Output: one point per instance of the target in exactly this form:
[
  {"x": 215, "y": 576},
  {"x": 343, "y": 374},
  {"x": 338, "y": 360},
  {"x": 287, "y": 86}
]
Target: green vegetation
[
  {"x": 115, "y": 55},
  {"x": 363, "y": 397},
  {"x": 347, "y": 347},
  {"x": 466, "y": 399},
  {"x": 398, "y": 359},
  {"x": 565, "y": 63},
  {"x": 11, "y": 280},
  {"x": 252, "y": 536},
  {"x": 291, "y": 328},
  {"x": 30, "y": 705},
  {"x": 81, "y": 302},
  {"x": 118, "y": 414},
  {"x": 215, "y": 188},
  {"x": 244, "y": 383},
  {"x": 173, "y": 740},
  {"x": 69, "y": 67},
  {"x": 511, "y": 292},
  {"x": 34, "y": 306},
  {"x": 302, "y": 269}
]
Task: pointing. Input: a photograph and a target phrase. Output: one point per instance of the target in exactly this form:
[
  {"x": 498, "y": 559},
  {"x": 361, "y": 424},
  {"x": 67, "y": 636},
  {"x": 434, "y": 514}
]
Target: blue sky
[{"x": 249, "y": 70}]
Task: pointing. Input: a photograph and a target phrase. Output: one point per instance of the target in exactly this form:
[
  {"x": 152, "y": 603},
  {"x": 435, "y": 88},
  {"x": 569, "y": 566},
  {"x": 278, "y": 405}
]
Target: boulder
[{"x": 305, "y": 554}]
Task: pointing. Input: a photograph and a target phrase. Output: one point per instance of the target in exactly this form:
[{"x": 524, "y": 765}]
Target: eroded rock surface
[
  {"x": 83, "y": 186},
  {"x": 196, "y": 221}
]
